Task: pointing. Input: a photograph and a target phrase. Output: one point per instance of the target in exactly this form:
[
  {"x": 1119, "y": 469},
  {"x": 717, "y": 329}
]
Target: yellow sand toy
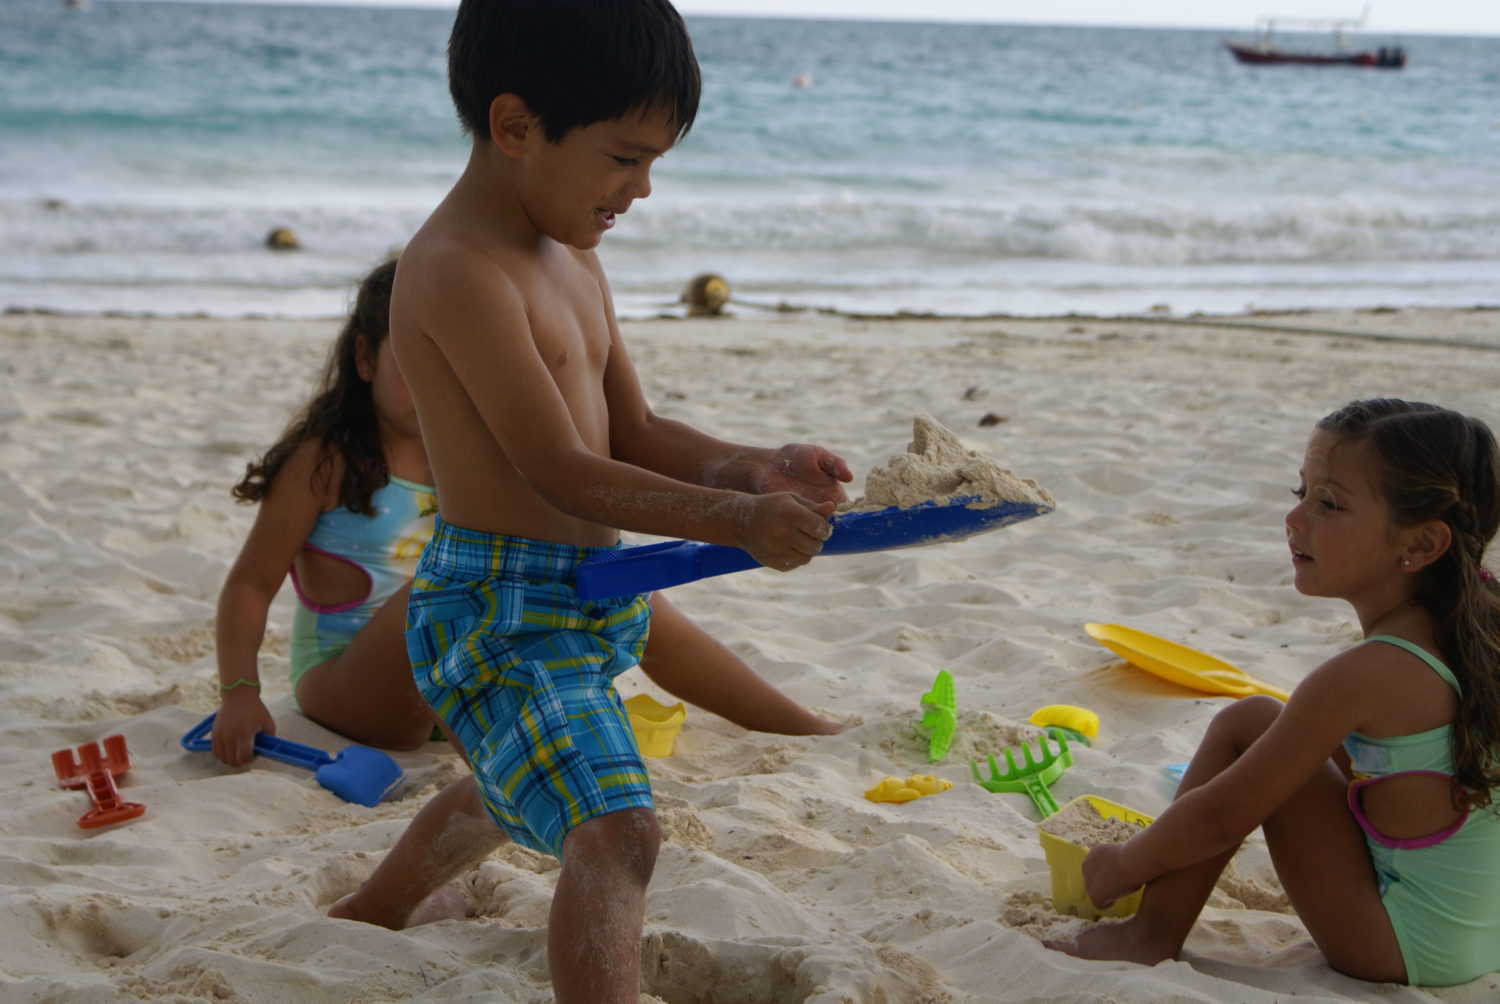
[
  {"x": 1065, "y": 861},
  {"x": 655, "y": 724},
  {"x": 894, "y": 789},
  {"x": 1184, "y": 666},
  {"x": 1079, "y": 725}
]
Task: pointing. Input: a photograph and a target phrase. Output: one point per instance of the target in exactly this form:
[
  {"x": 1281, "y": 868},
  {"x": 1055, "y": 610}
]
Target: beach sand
[{"x": 1170, "y": 445}]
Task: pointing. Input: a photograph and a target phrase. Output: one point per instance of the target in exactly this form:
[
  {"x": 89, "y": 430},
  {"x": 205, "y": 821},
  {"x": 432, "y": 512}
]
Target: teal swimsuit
[
  {"x": 1441, "y": 891},
  {"x": 384, "y": 547}
]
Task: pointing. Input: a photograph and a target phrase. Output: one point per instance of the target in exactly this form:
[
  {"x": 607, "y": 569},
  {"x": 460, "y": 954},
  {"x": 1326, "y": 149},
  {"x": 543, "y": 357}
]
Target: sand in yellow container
[
  {"x": 655, "y": 724},
  {"x": 1065, "y": 859}
]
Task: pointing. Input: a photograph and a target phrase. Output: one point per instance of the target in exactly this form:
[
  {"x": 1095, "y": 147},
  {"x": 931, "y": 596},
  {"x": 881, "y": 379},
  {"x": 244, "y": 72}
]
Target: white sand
[{"x": 1170, "y": 448}]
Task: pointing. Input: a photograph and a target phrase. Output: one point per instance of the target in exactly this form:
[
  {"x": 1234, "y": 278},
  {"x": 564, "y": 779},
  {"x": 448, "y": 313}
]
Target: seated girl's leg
[
  {"x": 1318, "y": 850},
  {"x": 1170, "y": 905},
  {"x": 366, "y": 692},
  {"x": 1323, "y": 861},
  {"x": 690, "y": 664}
]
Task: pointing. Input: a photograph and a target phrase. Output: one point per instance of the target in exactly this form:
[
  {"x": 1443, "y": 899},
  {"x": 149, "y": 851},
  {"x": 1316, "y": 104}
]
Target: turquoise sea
[{"x": 147, "y": 148}]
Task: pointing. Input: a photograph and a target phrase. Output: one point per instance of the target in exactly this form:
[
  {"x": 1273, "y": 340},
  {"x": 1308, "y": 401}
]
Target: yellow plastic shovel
[{"x": 1184, "y": 666}]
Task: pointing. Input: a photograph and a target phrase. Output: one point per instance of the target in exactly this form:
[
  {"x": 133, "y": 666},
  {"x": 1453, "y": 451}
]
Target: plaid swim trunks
[{"x": 523, "y": 672}]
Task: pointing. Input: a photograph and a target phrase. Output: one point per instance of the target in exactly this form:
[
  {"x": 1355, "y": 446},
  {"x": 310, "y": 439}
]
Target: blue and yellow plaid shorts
[{"x": 523, "y": 672}]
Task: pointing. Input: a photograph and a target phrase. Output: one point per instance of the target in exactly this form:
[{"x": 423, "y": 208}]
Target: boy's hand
[
  {"x": 785, "y": 532},
  {"x": 809, "y": 471}
]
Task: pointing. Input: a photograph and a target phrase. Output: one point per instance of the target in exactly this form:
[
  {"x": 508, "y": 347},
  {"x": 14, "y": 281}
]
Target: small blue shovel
[
  {"x": 358, "y": 774},
  {"x": 673, "y": 562}
]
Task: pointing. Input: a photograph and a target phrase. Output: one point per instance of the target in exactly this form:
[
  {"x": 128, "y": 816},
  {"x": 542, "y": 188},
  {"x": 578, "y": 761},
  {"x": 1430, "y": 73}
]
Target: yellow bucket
[
  {"x": 1065, "y": 859},
  {"x": 655, "y": 724}
]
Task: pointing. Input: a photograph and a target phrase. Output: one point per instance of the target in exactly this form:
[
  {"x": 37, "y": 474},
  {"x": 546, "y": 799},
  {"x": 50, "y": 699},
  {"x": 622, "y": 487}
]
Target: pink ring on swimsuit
[
  {"x": 319, "y": 608},
  {"x": 1404, "y": 843}
]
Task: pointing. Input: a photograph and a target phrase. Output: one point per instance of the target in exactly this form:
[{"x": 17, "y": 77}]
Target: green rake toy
[{"x": 1033, "y": 776}]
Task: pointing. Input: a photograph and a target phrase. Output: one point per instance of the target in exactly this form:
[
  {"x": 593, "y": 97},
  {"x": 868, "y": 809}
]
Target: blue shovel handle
[
  {"x": 657, "y": 566},
  {"x": 673, "y": 562},
  {"x": 197, "y": 741}
]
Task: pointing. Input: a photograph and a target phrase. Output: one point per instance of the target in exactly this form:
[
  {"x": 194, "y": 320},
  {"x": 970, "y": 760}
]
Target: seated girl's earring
[{"x": 1405, "y": 562}]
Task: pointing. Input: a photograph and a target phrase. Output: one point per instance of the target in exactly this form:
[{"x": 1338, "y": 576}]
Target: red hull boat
[
  {"x": 1384, "y": 58},
  {"x": 1335, "y": 50}
]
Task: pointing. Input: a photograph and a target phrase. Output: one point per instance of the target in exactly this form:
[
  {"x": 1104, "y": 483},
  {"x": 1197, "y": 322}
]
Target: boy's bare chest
[
  {"x": 573, "y": 350},
  {"x": 569, "y": 318}
]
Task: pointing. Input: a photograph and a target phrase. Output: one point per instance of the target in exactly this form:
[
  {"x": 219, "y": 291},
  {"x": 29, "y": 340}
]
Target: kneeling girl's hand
[{"x": 241, "y": 715}]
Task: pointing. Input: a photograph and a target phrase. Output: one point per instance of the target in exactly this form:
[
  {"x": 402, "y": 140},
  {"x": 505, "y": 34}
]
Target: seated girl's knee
[
  {"x": 1260, "y": 706},
  {"x": 1252, "y": 714}
]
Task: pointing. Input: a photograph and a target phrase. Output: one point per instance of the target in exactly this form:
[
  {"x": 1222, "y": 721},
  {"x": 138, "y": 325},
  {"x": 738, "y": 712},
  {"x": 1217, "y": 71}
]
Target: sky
[
  {"x": 1444, "y": 17},
  {"x": 1463, "y": 17}
]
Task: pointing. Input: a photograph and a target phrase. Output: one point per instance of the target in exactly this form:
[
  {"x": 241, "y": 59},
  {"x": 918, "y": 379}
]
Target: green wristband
[{"x": 224, "y": 688}]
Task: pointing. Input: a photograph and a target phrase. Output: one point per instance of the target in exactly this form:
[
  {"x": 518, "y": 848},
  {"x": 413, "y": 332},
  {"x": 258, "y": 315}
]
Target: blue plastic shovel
[
  {"x": 358, "y": 774},
  {"x": 673, "y": 562}
]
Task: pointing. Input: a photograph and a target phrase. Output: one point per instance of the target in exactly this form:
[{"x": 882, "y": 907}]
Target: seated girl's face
[{"x": 1340, "y": 532}]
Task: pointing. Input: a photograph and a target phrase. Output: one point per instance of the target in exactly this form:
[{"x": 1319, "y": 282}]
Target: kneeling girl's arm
[{"x": 283, "y": 522}]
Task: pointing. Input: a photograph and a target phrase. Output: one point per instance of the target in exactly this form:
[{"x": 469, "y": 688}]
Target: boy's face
[{"x": 574, "y": 188}]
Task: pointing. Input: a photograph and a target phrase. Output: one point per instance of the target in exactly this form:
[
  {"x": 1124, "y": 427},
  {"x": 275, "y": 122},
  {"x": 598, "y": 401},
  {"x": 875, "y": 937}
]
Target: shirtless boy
[{"x": 542, "y": 448}]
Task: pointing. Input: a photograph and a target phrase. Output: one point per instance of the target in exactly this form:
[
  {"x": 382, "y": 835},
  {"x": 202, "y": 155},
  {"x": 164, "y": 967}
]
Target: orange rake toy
[{"x": 96, "y": 770}]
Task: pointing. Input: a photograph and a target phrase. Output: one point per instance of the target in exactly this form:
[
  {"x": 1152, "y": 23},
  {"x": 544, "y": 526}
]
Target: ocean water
[{"x": 146, "y": 149}]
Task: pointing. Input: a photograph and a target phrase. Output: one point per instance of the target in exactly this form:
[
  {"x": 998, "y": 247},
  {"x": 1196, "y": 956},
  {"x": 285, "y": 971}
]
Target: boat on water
[{"x": 1332, "y": 47}]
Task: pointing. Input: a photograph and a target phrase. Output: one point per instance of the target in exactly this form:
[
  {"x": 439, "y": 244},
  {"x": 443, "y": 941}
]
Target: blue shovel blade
[
  {"x": 360, "y": 774},
  {"x": 673, "y": 562}
]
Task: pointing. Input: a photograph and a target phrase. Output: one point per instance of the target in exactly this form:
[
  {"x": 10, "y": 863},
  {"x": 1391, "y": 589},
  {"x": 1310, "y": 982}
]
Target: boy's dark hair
[
  {"x": 341, "y": 415},
  {"x": 1434, "y": 463},
  {"x": 574, "y": 62}
]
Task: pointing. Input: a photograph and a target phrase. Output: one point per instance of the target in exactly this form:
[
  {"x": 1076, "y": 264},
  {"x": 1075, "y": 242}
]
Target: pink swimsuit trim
[
  {"x": 1405, "y": 843},
  {"x": 319, "y": 608}
]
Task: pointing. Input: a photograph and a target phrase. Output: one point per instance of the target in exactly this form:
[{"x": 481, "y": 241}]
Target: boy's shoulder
[
  {"x": 449, "y": 272},
  {"x": 444, "y": 270}
]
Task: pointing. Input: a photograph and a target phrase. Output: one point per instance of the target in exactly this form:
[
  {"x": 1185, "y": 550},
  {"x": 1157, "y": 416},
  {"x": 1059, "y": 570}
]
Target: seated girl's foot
[
  {"x": 1124, "y": 941},
  {"x": 824, "y": 727},
  {"x": 448, "y": 903}
]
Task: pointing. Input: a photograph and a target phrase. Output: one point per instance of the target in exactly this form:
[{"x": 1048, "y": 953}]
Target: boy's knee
[{"x": 627, "y": 840}]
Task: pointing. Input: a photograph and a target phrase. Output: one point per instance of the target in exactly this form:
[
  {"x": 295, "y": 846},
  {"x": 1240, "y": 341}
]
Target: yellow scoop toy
[
  {"x": 1181, "y": 665},
  {"x": 1079, "y": 724}
]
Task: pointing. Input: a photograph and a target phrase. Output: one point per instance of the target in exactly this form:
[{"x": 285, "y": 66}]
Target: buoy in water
[
  {"x": 282, "y": 239},
  {"x": 706, "y": 295}
]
